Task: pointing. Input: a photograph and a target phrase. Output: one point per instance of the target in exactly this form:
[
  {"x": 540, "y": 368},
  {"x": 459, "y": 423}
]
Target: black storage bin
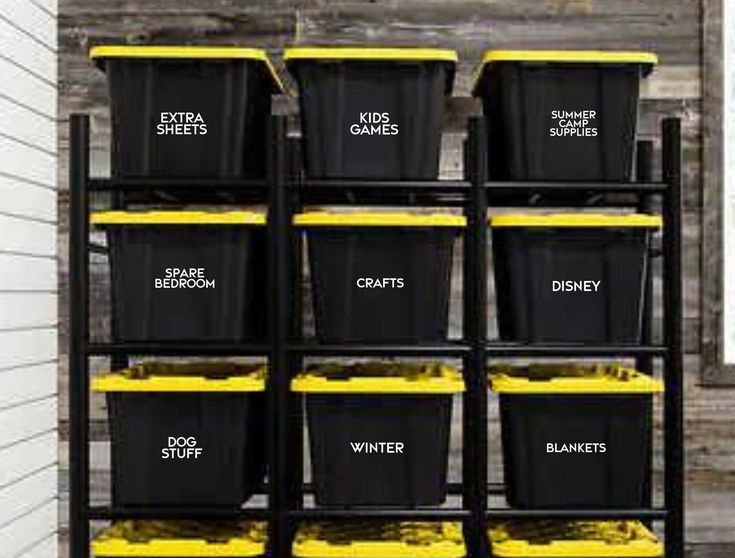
[
  {"x": 576, "y": 436},
  {"x": 194, "y": 112},
  {"x": 181, "y": 539},
  {"x": 572, "y": 539},
  {"x": 571, "y": 278},
  {"x": 379, "y": 432},
  {"x": 153, "y": 301},
  {"x": 186, "y": 434},
  {"x": 569, "y": 115},
  {"x": 411, "y": 256},
  {"x": 379, "y": 539},
  {"x": 372, "y": 112}
]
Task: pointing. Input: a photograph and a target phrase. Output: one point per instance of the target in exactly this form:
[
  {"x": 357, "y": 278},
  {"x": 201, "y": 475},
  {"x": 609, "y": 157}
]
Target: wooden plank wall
[
  {"x": 672, "y": 28},
  {"x": 28, "y": 290}
]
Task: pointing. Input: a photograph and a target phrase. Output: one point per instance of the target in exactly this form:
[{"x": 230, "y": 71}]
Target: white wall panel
[
  {"x": 25, "y": 49},
  {"x": 28, "y": 310},
  {"x": 27, "y": 383},
  {"x": 34, "y": 454},
  {"x": 27, "y": 494},
  {"x": 32, "y": 19},
  {"x": 27, "y": 273},
  {"x": 19, "y": 235},
  {"x": 27, "y": 88},
  {"x": 45, "y": 548},
  {"x": 27, "y": 421},
  {"x": 25, "y": 347},
  {"x": 28, "y": 279},
  {"x": 22, "y": 122},
  {"x": 27, "y": 163},
  {"x": 22, "y": 534}
]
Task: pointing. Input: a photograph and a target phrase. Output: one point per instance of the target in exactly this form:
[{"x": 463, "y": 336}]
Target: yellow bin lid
[
  {"x": 571, "y": 379},
  {"x": 378, "y": 219},
  {"x": 187, "y": 52},
  {"x": 397, "y": 54},
  {"x": 184, "y": 377},
  {"x": 295, "y": 55},
  {"x": 576, "y": 220},
  {"x": 573, "y": 539},
  {"x": 647, "y": 60},
  {"x": 379, "y": 377},
  {"x": 178, "y": 218},
  {"x": 379, "y": 540},
  {"x": 181, "y": 539}
]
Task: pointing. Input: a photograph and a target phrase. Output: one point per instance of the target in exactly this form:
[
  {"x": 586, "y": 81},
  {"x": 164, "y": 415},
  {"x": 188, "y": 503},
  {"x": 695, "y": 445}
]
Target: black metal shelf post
[
  {"x": 474, "y": 440},
  {"x": 283, "y": 191},
  {"x": 674, "y": 360},
  {"x": 280, "y": 325},
  {"x": 78, "y": 338}
]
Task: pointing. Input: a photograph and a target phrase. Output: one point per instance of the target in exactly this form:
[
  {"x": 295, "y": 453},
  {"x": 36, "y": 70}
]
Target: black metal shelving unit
[{"x": 285, "y": 192}]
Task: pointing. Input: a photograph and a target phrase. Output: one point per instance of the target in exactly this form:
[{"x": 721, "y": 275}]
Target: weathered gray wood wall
[{"x": 672, "y": 28}]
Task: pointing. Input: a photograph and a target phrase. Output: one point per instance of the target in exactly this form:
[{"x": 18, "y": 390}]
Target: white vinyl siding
[
  {"x": 28, "y": 280},
  {"x": 728, "y": 32}
]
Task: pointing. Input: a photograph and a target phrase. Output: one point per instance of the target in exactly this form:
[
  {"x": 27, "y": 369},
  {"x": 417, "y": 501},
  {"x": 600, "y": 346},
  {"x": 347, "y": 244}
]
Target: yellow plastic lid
[
  {"x": 579, "y": 220},
  {"x": 645, "y": 59},
  {"x": 376, "y": 219},
  {"x": 379, "y": 539},
  {"x": 181, "y": 539},
  {"x": 573, "y": 56},
  {"x": 379, "y": 377},
  {"x": 103, "y": 52},
  {"x": 295, "y": 55},
  {"x": 573, "y": 539},
  {"x": 184, "y": 377},
  {"x": 178, "y": 218},
  {"x": 571, "y": 379},
  {"x": 368, "y": 53}
]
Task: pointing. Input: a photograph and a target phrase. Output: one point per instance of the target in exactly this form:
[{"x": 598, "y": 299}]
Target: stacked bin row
[
  {"x": 574, "y": 436},
  {"x": 192, "y": 276},
  {"x": 186, "y": 435},
  {"x": 377, "y": 277}
]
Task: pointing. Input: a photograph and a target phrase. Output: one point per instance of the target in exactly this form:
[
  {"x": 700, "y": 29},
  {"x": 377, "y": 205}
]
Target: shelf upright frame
[
  {"x": 673, "y": 321},
  {"x": 280, "y": 327},
  {"x": 79, "y": 337},
  {"x": 475, "y": 434},
  {"x": 285, "y": 348}
]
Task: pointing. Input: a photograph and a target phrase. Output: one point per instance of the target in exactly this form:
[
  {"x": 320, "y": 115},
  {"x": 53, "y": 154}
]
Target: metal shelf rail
[{"x": 285, "y": 191}]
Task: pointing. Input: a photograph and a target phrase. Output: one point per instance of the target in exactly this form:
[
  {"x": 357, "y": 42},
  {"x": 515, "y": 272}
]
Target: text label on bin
[
  {"x": 380, "y": 282},
  {"x": 184, "y": 278},
  {"x": 181, "y": 124},
  {"x": 374, "y": 124},
  {"x": 575, "y": 286},
  {"x": 377, "y": 447},
  {"x": 181, "y": 447},
  {"x": 573, "y": 123},
  {"x": 579, "y": 447}
]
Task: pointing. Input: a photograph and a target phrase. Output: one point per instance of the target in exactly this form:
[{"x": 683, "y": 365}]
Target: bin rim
[
  {"x": 294, "y": 55},
  {"x": 647, "y": 60},
  {"x": 191, "y": 52},
  {"x": 102, "y": 218},
  {"x": 437, "y": 379},
  {"x": 572, "y": 379},
  {"x": 110, "y": 543},
  {"x": 370, "y": 53},
  {"x": 644, "y": 543},
  {"x": 579, "y": 56},
  {"x": 576, "y": 220},
  {"x": 443, "y": 540},
  {"x": 378, "y": 219},
  {"x": 135, "y": 379}
]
